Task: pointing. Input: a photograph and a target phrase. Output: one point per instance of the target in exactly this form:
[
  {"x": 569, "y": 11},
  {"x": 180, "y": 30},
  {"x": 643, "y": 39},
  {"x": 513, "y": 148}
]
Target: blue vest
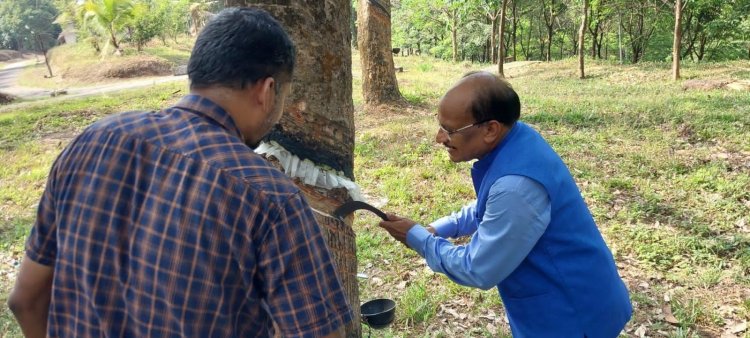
[{"x": 568, "y": 285}]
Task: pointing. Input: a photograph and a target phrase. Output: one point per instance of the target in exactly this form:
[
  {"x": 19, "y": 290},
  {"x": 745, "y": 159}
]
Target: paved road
[{"x": 8, "y": 76}]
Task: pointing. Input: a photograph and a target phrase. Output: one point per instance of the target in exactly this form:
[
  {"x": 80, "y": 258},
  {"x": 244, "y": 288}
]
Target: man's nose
[{"x": 441, "y": 137}]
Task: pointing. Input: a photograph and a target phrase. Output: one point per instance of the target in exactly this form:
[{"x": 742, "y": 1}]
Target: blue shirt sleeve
[
  {"x": 517, "y": 214},
  {"x": 458, "y": 224}
]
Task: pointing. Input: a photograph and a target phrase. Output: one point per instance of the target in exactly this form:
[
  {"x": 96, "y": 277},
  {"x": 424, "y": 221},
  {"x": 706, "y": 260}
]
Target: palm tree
[
  {"x": 108, "y": 17},
  {"x": 200, "y": 14}
]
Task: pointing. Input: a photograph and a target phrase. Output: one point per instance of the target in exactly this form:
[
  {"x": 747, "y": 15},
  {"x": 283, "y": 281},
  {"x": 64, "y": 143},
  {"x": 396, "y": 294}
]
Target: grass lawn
[{"x": 665, "y": 171}]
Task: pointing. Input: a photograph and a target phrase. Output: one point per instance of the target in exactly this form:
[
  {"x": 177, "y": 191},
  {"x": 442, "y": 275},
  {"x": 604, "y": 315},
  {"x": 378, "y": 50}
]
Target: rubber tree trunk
[
  {"x": 514, "y": 29},
  {"x": 454, "y": 36},
  {"x": 677, "y": 40},
  {"x": 493, "y": 37},
  {"x": 379, "y": 83},
  {"x": 581, "y": 40},
  {"x": 318, "y": 120},
  {"x": 501, "y": 43}
]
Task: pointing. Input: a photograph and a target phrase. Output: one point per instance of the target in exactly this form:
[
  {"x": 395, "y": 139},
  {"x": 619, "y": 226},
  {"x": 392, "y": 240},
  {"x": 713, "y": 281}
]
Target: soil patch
[
  {"x": 130, "y": 67},
  {"x": 137, "y": 67},
  {"x": 716, "y": 84},
  {"x": 6, "y": 55},
  {"x": 6, "y": 98},
  {"x": 704, "y": 84}
]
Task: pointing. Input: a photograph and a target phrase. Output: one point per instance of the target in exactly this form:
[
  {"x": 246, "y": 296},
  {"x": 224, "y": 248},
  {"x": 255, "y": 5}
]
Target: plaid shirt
[{"x": 167, "y": 224}]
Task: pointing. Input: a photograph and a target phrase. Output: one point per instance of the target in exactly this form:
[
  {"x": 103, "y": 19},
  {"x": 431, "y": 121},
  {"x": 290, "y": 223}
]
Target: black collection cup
[{"x": 378, "y": 313}]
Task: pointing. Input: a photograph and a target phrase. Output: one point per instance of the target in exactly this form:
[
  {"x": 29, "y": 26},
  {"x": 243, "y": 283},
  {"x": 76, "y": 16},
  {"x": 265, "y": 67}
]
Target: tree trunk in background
[
  {"x": 493, "y": 38},
  {"x": 581, "y": 35},
  {"x": 501, "y": 48},
  {"x": 677, "y": 40},
  {"x": 619, "y": 39},
  {"x": 454, "y": 35},
  {"x": 379, "y": 84},
  {"x": 702, "y": 41},
  {"x": 550, "y": 33},
  {"x": 594, "y": 39},
  {"x": 318, "y": 121},
  {"x": 542, "y": 45},
  {"x": 514, "y": 29}
]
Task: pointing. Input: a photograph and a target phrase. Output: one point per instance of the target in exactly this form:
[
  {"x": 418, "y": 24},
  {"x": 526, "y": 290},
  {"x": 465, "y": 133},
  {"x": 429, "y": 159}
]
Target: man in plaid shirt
[{"x": 167, "y": 224}]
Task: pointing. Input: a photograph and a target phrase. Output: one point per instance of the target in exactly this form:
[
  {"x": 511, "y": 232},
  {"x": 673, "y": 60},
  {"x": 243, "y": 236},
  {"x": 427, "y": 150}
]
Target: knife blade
[{"x": 352, "y": 206}]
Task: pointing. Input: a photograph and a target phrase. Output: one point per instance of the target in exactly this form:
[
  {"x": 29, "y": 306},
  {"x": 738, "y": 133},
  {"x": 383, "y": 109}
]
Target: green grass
[
  {"x": 177, "y": 53},
  {"x": 666, "y": 173}
]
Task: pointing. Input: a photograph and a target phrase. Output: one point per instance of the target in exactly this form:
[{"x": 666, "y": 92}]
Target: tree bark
[
  {"x": 501, "y": 44},
  {"x": 318, "y": 120},
  {"x": 677, "y": 40},
  {"x": 581, "y": 36},
  {"x": 379, "y": 83}
]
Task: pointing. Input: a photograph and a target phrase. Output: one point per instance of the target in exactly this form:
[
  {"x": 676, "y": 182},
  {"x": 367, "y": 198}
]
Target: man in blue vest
[{"x": 532, "y": 234}]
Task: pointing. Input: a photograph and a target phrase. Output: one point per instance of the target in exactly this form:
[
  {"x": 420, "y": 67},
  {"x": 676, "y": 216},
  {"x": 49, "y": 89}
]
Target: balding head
[{"x": 486, "y": 96}]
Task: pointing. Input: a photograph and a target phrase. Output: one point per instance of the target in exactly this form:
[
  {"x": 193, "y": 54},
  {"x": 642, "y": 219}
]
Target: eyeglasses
[{"x": 451, "y": 132}]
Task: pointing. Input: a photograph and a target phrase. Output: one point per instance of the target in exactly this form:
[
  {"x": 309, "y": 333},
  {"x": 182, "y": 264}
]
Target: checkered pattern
[{"x": 167, "y": 224}]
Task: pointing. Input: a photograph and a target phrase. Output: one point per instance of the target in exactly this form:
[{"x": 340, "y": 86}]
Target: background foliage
[{"x": 639, "y": 30}]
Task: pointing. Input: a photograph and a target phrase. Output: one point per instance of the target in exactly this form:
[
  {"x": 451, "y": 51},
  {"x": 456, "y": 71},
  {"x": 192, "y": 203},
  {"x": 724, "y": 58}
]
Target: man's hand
[{"x": 397, "y": 226}]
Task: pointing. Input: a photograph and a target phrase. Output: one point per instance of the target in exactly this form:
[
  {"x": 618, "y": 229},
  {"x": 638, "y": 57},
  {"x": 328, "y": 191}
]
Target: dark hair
[
  {"x": 495, "y": 99},
  {"x": 240, "y": 46}
]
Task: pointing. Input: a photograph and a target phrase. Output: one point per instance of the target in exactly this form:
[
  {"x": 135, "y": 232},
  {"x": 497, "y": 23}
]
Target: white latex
[{"x": 308, "y": 171}]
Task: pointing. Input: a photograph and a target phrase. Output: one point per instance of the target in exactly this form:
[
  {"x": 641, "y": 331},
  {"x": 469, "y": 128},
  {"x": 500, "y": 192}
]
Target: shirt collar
[
  {"x": 484, "y": 163},
  {"x": 207, "y": 108}
]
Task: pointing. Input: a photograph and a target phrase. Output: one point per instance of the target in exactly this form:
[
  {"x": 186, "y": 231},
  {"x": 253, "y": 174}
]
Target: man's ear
[
  {"x": 495, "y": 131},
  {"x": 261, "y": 92},
  {"x": 267, "y": 91}
]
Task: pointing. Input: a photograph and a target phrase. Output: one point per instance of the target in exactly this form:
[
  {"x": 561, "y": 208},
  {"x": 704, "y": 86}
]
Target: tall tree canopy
[
  {"x": 641, "y": 30},
  {"x": 24, "y": 22}
]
